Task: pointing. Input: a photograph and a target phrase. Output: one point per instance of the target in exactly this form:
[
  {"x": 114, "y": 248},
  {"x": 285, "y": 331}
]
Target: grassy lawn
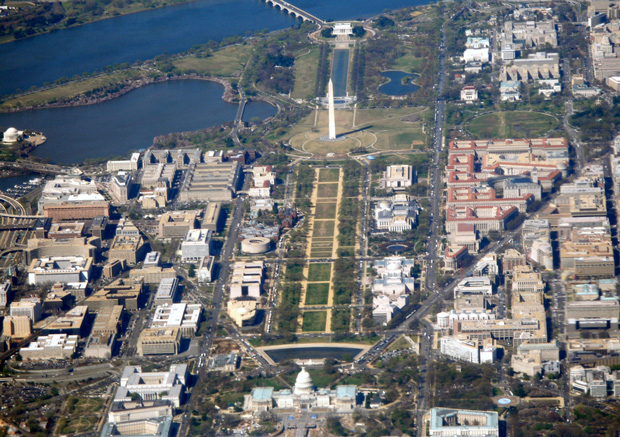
[
  {"x": 305, "y": 74},
  {"x": 378, "y": 127},
  {"x": 327, "y": 190},
  {"x": 320, "y": 253},
  {"x": 399, "y": 344},
  {"x": 324, "y": 228},
  {"x": 408, "y": 62},
  {"x": 325, "y": 211},
  {"x": 69, "y": 90},
  {"x": 224, "y": 62},
  {"x": 231, "y": 398},
  {"x": 317, "y": 294},
  {"x": 314, "y": 321},
  {"x": 81, "y": 416},
  {"x": 404, "y": 139},
  {"x": 320, "y": 378},
  {"x": 319, "y": 272},
  {"x": 515, "y": 124},
  {"x": 329, "y": 175}
]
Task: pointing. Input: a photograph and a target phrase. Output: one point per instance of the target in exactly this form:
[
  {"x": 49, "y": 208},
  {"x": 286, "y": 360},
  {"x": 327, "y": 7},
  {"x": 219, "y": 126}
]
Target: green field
[
  {"x": 320, "y": 253},
  {"x": 408, "y": 62},
  {"x": 319, "y": 272},
  {"x": 316, "y": 294},
  {"x": 305, "y": 74},
  {"x": 324, "y": 228},
  {"x": 82, "y": 415},
  {"x": 325, "y": 211},
  {"x": 327, "y": 190},
  {"x": 70, "y": 90},
  {"x": 224, "y": 62},
  {"x": 329, "y": 175},
  {"x": 373, "y": 129},
  {"x": 514, "y": 124},
  {"x": 314, "y": 321}
]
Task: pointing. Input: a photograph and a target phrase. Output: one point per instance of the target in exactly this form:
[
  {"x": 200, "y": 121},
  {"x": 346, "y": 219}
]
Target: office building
[
  {"x": 184, "y": 316},
  {"x": 159, "y": 341},
  {"x": 197, "y": 245},
  {"x": 51, "y": 347},
  {"x": 63, "y": 269},
  {"x": 447, "y": 422},
  {"x": 167, "y": 291},
  {"x": 29, "y": 307}
]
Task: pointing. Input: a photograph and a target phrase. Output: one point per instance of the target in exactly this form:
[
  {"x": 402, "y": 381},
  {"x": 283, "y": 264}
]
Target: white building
[
  {"x": 29, "y": 307},
  {"x": 343, "y": 29},
  {"x": 63, "y": 269},
  {"x": 50, "y": 347},
  {"x": 447, "y": 422},
  {"x": 397, "y": 177},
  {"x": 167, "y": 386},
  {"x": 5, "y": 291},
  {"x": 510, "y": 91},
  {"x": 166, "y": 291},
  {"x": 384, "y": 308},
  {"x": 12, "y": 135},
  {"x": 471, "y": 351},
  {"x": 397, "y": 214},
  {"x": 179, "y": 315},
  {"x": 262, "y": 179},
  {"x": 480, "y": 285},
  {"x": 204, "y": 272},
  {"x": 247, "y": 279},
  {"x": 477, "y": 50},
  {"x": 131, "y": 164},
  {"x": 197, "y": 245},
  {"x": 487, "y": 266},
  {"x": 469, "y": 94},
  {"x": 304, "y": 395},
  {"x": 391, "y": 288}
]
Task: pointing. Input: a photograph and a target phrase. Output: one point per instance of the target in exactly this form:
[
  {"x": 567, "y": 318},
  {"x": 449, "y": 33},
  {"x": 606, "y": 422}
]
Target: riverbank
[
  {"x": 119, "y": 89},
  {"x": 78, "y": 21}
]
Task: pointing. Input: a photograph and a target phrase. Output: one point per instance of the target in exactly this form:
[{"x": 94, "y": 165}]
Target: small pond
[{"x": 400, "y": 83}]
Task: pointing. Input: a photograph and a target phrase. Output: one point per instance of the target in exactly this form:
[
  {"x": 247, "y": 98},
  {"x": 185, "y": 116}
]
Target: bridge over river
[{"x": 295, "y": 11}]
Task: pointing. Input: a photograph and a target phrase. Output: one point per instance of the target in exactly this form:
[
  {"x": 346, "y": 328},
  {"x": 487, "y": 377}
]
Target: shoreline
[
  {"x": 228, "y": 95},
  {"x": 56, "y": 29}
]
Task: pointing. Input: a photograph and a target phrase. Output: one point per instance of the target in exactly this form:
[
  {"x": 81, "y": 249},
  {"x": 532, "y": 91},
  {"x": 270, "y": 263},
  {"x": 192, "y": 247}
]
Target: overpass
[{"x": 295, "y": 11}]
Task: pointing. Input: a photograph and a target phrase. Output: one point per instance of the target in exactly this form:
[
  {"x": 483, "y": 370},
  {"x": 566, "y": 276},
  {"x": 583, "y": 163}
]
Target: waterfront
[
  {"x": 117, "y": 127},
  {"x": 67, "y": 52}
]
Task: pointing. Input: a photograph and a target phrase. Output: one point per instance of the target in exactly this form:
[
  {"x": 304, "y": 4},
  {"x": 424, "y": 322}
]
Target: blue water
[
  {"x": 307, "y": 353},
  {"x": 395, "y": 86},
  {"x": 340, "y": 72},
  {"x": 130, "y": 122},
  {"x": 141, "y": 36}
]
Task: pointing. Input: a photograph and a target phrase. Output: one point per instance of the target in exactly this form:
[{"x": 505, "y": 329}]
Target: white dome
[
  {"x": 242, "y": 310},
  {"x": 303, "y": 383},
  {"x": 393, "y": 265},
  {"x": 11, "y": 135}
]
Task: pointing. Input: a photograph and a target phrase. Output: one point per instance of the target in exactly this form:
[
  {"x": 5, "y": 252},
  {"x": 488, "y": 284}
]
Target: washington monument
[{"x": 330, "y": 105}]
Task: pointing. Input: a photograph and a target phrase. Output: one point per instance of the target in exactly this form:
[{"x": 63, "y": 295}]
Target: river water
[
  {"x": 141, "y": 36},
  {"x": 130, "y": 122},
  {"x": 117, "y": 127}
]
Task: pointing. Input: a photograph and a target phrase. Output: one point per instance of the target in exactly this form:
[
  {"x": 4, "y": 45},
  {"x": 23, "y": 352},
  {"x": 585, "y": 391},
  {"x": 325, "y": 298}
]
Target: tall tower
[{"x": 332, "y": 115}]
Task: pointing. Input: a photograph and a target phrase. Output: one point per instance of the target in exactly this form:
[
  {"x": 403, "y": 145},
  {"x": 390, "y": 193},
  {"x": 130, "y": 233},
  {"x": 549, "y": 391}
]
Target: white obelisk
[{"x": 332, "y": 115}]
